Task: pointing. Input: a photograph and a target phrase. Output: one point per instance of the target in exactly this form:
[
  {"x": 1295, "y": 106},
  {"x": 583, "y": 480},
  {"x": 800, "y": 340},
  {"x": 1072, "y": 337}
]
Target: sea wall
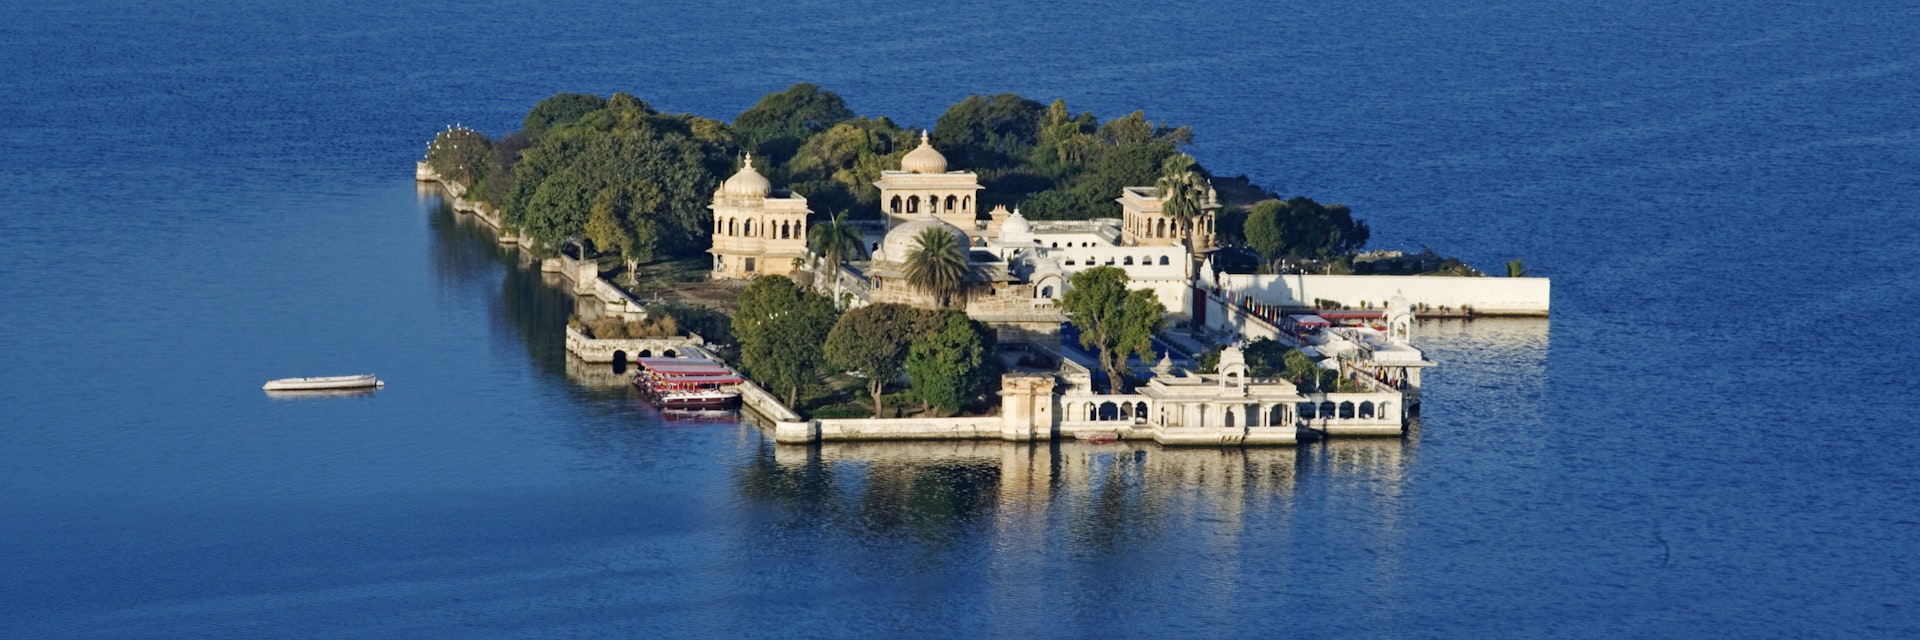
[
  {"x": 456, "y": 197},
  {"x": 1486, "y": 296},
  {"x": 603, "y": 350},
  {"x": 910, "y": 428}
]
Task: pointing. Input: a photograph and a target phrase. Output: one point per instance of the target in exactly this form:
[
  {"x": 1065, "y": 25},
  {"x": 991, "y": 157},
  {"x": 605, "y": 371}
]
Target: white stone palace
[{"x": 1016, "y": 267}]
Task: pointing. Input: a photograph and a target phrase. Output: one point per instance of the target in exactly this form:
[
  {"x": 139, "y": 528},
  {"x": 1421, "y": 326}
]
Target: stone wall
[
  {"x": 599, "y": 350},
  {"x": 1486, "y": 296}
]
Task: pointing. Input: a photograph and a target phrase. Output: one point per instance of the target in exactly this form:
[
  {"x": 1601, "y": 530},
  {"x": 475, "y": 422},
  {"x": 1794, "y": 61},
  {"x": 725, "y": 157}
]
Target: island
[{"x": 1015, "y": 272}]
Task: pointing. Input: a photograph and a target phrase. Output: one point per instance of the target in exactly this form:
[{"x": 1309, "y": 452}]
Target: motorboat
[{"x": 364, "y": 381}]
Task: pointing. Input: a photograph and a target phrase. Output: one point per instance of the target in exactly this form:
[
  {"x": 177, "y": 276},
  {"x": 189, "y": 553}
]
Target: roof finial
[
  {"x": 749, "y": 159},
  {"x": 923, "y": 136}
]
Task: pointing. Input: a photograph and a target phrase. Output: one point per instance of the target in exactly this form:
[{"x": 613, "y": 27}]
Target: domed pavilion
[{"x": 757, "y": 229}]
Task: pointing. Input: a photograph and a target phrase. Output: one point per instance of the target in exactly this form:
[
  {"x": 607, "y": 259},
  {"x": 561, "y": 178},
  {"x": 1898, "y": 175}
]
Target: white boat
[{"x": 333, "y": 382}]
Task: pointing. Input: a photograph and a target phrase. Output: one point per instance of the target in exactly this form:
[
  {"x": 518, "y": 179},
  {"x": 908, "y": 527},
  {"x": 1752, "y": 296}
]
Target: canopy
[
  {"x": 717, "y": 379},
  {"x": 1331, "y": 364},
  {"x": 1309, "y": 320},
  {"x": 670, "y": 362}
]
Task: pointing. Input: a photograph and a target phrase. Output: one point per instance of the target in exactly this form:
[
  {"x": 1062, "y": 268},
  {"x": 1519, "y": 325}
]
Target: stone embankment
[
  {"x": 584, "y": 274},
  {"x": 1485, "y": 296}
]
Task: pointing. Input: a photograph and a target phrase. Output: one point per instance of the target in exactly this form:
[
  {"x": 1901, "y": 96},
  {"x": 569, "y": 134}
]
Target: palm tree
[
  {"x": 936, "y": 263},
  {"x": 835, "y": 242},
  {"x": 1183, "y": 188},
  {"x": 1516, "y": 269}
]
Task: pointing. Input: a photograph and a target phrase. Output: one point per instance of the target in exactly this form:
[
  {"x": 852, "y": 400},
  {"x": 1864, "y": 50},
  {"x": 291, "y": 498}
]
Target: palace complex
[
  {"x": 1015, "y": 270},
  {"x": 1015, "y": 267}
]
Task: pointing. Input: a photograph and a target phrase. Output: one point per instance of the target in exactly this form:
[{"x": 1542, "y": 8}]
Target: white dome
[
  {"x": 748, "y": 183},
  {"x": 1016, "y": 224},
  {"x": 924, "y": 158},
  {"x": 902, "y": 240}
]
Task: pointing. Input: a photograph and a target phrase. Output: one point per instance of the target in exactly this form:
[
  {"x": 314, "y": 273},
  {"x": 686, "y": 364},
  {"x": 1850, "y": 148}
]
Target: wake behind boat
[{"x": 364, "y": 381}]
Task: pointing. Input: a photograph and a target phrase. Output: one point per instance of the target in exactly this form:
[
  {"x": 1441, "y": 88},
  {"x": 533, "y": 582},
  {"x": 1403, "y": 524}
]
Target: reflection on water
[{"x": 1105, "y": 496}]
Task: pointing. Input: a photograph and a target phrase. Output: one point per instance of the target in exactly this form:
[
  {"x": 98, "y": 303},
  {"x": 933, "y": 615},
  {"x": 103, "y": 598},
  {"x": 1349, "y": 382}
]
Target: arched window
[
  {"x": 1056, "y": 245},
  {"x": 896, "y": 204},
  {"x": 1046, "y": 291},
  {"x": 1366, "y": 409},
  {"x": 746, "y": 228},
  {"x": 952, "y": 202},
  {"x": 913, "y": 204},
  {"x": 1162, "y": 233},
  {"x": 1163, "y": 259},
  {"x": 733, "y": 227},
  {"x": 1128, "y": 261},
  {"x": 1346, "y": 410},
  {"x": 967, "y": 203}
]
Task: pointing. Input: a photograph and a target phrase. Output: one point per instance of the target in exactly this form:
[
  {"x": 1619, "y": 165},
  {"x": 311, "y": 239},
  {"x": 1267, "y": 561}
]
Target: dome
[
  {"x": 1016, "y": 224},
  {"x": 924, "y": 159},
  {"x": 748, "y": 183},
  {"x": 1398, "y": 305},
  {"x": 901, "y": 240}
]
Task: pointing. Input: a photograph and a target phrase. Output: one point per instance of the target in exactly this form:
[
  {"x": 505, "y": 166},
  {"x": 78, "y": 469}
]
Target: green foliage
[
  {"x": 873, "y": 340},
  {"x": 936, "y": 263},
  {"x": 559, "y": 109},
  {"x": 461, "y": 155},
  {"x": 781, "y": 330},
  {"x": 1266, "y": 358},
  {"x": 946, "y": 367},
  {"x": 991, "y": 132},
  {"x": 556, "y": 207},
  {"x": 1115, "y": 321},
  {"x": 1302, "y": 228},
  {"x": 776, "y": 126},
  {"x": 836, "y": 240},
  {"x": 664, "y": 167},
  {"x": 836, "y": 169},
  {"x": 1517, "y": 269},
  {"x": 1209, "y": 361},
  {"x": 1185, "y": 190}
]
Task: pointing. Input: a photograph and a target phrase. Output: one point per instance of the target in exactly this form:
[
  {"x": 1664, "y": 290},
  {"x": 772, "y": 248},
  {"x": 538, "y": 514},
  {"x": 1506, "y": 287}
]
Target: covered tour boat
[{"x": 688, "y": 383}]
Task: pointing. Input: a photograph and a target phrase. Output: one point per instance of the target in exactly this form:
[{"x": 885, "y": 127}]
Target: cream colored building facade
[
  {"x": 1144, "y": 222},
  {"x": 757, "y": 230}
]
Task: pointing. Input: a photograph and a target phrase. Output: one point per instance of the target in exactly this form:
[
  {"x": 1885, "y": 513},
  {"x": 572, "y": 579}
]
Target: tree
[
  {"x": 1185, "y": 192},
  {"x": 945, "y": 366},
  {"x": 780, "y": 329},
  {"x": 780, "y": 122},
  {"x": 557, "y": 209},
  {"x": 1302, "y": 228},
  {"x": 1265, "y": 358},
  {"x": 936, "y": 263},
  {"x": 1116, "y": 322},
  {"x": 989, "y": 132},
  {"x": 559, "y": 109},
  {"x": 836, "y": 168},
  {"x": 873, "y": 340},
  {"x": 1517, "y": 269},
  {"x": 1263, "y": 231},
  {"x": 461, "y": 155},
  {"x": 836, "y": 240}
]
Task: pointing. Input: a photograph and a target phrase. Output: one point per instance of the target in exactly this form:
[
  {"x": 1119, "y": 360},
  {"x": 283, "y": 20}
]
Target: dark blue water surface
[{"x": 1714, "y": 435}]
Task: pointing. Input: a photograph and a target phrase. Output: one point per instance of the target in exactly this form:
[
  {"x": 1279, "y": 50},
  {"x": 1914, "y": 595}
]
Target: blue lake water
[{"x": 1713, "y": 437}]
